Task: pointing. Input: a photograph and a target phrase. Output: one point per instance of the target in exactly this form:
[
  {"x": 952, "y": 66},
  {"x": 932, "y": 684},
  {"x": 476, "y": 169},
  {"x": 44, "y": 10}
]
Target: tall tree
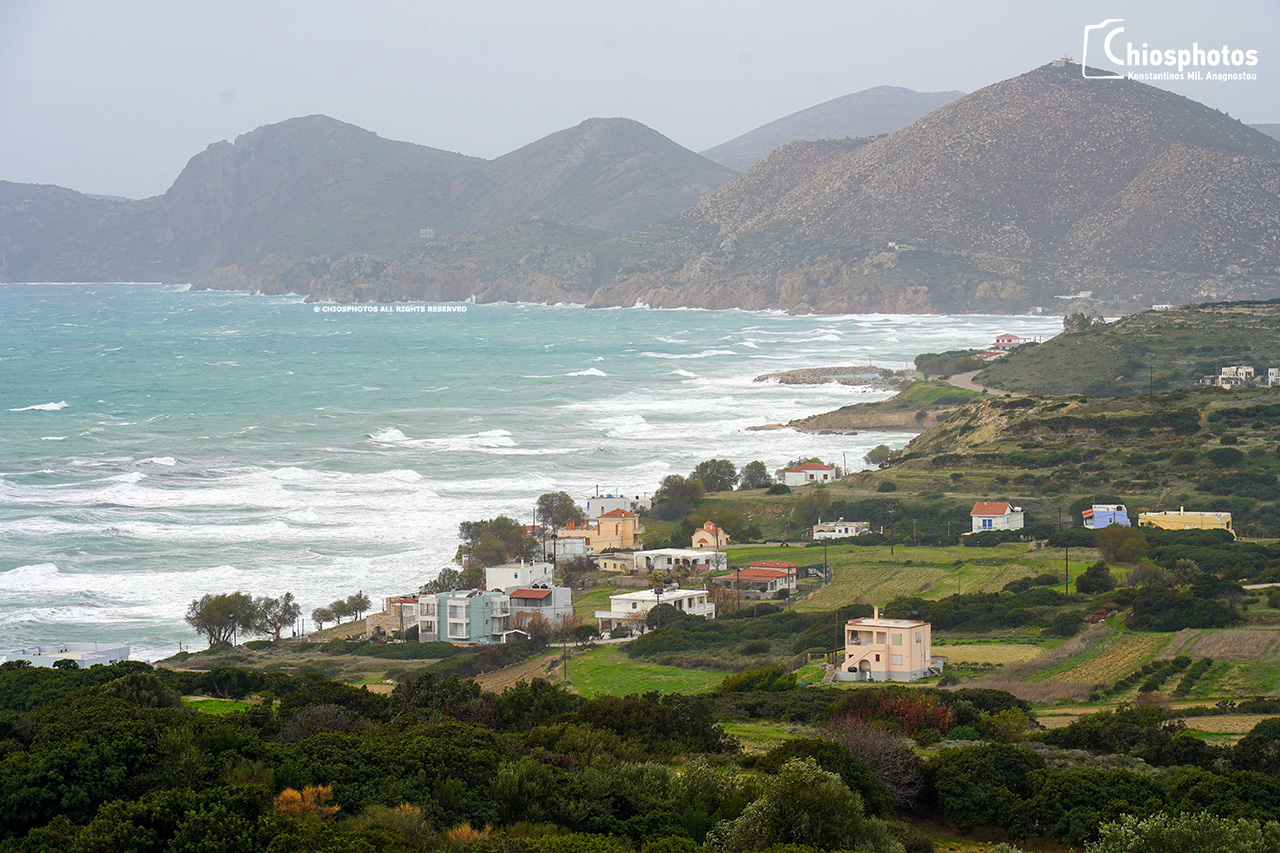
[
  {"x": 556, "y": 509},
  {"x": 677, "y": 496},
  {"x": 275, "y": 614},
  {"x": 320, "y": 616},
  {"x": 754, "y": 476},
  {"x": 359, "y": 603},
  {"x": 341, "y": 609},
  {"x": 716, "y": 475},
  {"x": 220, "y": 617}
]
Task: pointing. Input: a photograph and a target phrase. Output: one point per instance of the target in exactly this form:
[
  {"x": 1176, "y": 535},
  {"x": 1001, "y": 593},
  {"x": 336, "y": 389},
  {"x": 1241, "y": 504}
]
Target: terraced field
[
  {"x": 988, "y": 653},
  {"x": 1116, "y": 660}
]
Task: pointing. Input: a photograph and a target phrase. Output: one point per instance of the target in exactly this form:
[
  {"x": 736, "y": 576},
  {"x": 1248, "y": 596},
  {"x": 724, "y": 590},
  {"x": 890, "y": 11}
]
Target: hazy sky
[{"x": 115, "y": 97}]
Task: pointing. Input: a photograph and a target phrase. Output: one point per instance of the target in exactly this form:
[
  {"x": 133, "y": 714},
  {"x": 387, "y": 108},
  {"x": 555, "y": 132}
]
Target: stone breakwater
[{"x": 863, "y": 375}]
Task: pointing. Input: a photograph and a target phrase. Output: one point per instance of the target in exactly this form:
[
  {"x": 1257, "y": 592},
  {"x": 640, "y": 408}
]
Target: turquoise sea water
[{"x": 157, "y": 444}]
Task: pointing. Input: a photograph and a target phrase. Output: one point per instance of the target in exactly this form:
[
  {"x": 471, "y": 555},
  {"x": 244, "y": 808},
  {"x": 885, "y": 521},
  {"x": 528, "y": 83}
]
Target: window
[
  {"x": 988, "y": 523},
  {"x": 897, "y": 639},
  {"x": 919, "y": 636},
  {"x": 877, "y": 658},
  {"x": 897, "y": 660}
]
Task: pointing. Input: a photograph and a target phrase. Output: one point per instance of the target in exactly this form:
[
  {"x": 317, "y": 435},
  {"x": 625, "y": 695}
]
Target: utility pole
[
  {"x": 891, "y": 512},
  {"x": 1066, "y": 568},
  {"x": 915, "y": 538}
]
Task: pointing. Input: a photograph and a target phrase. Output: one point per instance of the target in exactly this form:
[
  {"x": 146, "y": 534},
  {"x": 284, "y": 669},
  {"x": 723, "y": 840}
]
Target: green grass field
[
  {"x": 762, "y": 737},
  {"x": 215, "y": 706},
  {"x": 585, "y": 604},
  {"x": 607, "y": 671}
]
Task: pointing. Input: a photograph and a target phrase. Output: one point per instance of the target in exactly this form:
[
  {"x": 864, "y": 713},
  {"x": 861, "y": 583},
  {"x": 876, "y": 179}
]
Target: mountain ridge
[
  {"x": 316, "y": 186},
  {"x": 869, "y": 112}
]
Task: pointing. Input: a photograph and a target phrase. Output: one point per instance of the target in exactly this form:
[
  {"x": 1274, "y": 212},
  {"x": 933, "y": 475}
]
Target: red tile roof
[
  {"x": 990, "y": 508},
  {"x": 530, "y": 593},
  {"x": 812, "y": 466},
  {"x": 772, "y": 564},
  {"x": 619, "y": 513},
  {"x": 754, "y": 574},
  {"x": 1088, "y": 513}
]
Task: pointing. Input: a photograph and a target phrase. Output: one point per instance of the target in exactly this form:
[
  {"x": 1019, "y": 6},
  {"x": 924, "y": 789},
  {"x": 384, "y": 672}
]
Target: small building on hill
[
  {"x": 1181, "y": 519},
  {"x": 995, "y": 515},
  {"x": 809, "y": 472},
  {"x": 761, "y": 579},
  {"x": 710, "y": 535},
  {"x": 840, "y": 529},
  {"x": 878, "y": 649},
  {"x": 83, "y": 655},
  {"x": 670, "y": 559},
  {"x": 1007, "y": 342},
  {"x": 517, "y": 574},
  {"x": 1099, "y": 516},
  {"x": 629, "y": 608}
]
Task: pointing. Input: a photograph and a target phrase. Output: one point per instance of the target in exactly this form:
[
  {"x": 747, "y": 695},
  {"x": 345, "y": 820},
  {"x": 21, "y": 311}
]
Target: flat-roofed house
[
  {"x": 1099, "y": 516},
  {"x": 630, "y": 607},
  {"x": 1181, "y": 519},
  {"x": 878, "y": 649}
]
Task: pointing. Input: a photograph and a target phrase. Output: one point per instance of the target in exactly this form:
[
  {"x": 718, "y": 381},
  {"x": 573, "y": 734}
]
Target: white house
[
  {"x": 597, "y": 505},
  {"x": 84, "y": 655},
  {"x": 995, "y": 515},
  {"x": 1007, "y": 342},
  {"x": 840, "y": 529},
  {"x": 629, "y": 607},
  {"x": 517, "y": 574},
  {"x": 669, "y": 559},
  {"x": 552, "y": 603},
  {"x": 809, "y": 472}
]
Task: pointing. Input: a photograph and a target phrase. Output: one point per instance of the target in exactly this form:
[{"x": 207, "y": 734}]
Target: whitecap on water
[
  {"x": 43, "y": 407},
  {"x": 590, "y": 371}
]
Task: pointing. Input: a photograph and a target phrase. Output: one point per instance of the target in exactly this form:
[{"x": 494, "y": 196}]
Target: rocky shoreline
[{"x": 862, "y": 376}]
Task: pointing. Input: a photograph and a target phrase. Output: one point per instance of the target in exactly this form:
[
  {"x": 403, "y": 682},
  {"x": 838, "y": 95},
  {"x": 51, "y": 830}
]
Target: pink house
[{"x": 877, "y": 649}]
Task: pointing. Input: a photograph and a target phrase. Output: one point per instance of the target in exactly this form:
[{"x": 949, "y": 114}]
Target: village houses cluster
[{"x": 519, "y": 599}]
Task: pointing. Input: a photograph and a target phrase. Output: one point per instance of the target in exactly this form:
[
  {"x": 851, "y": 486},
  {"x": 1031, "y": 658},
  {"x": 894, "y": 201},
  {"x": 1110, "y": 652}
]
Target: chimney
[{"x": 876, "y": 611}]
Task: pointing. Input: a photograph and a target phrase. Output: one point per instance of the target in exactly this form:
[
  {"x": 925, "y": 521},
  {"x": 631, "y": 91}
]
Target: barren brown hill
[
  {"x": 870, "y": 112},
  {"x": 1044, "y": 184}
]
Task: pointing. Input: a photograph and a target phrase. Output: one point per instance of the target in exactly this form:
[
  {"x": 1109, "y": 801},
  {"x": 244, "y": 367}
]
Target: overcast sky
[{"x": 115, "y": 97}]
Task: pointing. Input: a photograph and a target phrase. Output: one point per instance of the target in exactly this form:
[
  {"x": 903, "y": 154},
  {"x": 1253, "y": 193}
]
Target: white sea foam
[
  {"x": 43, "y": 407},
  {"x": 166, "y": 461},
  {"x": 683, "y": 355},
  {"x": 590, "y": 371},
  {"x": 53, "y": 438}
]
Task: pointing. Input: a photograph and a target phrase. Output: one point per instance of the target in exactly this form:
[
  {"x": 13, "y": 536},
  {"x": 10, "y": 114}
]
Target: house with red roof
[
  {"x": 995, "y": 515},
  {"x": 809, "y": 472},
  {"x": 710, "y": 535},
  {"x": 617, "y": 529},
  {"x": 1007, "y": 342},
  {"x": 762, "y": 578}
]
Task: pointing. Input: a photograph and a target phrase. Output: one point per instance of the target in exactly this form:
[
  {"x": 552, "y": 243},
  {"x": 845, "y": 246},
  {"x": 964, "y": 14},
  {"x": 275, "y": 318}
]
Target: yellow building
[
  {"x": 1183, "y": 520},
  {"x": 710, "y": 535},
  {"x": 616, "y": 529}
]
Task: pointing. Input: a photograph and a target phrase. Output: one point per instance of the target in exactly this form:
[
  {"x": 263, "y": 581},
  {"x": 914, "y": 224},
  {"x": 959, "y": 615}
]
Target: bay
[{"x": 157, "y": 443}]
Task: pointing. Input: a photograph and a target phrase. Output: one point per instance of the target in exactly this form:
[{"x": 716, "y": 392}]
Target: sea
[{"x": 158, "y": 443}]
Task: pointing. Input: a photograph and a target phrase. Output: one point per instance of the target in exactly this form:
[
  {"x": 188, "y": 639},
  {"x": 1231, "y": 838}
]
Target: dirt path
[{"x": 965, "y": 381}]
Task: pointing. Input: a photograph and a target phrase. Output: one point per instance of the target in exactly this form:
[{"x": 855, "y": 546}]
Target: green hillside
[{"x": 1149, "y": 351}]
